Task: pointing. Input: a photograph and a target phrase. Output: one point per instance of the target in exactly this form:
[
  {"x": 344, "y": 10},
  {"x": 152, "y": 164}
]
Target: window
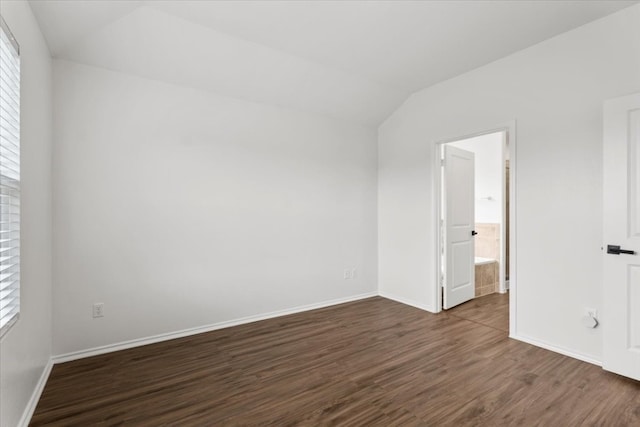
[{"x": 9, "y": 179}]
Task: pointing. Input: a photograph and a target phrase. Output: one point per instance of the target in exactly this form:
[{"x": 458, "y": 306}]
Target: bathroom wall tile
[{"x": 487, "y": 241}]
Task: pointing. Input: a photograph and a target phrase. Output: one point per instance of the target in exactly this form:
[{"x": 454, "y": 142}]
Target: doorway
[{"x": 491, "y": 263}]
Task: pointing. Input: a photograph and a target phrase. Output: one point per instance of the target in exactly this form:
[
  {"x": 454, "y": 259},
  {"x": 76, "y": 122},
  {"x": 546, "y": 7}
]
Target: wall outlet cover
[{"x": 98, "y": 309}]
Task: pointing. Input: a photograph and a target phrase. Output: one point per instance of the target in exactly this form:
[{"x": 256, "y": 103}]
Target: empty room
[{"x": 350, "y": 213}]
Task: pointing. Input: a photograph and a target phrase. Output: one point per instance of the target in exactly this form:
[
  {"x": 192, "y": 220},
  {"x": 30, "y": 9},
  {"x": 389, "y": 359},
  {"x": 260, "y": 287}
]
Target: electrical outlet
[
  {"x": 98, "y": 309},
  {"x": 591, "y": 312},
  {"x": 347, "y": 274},
  {"x": 590, "y": 318},
  {"x": 353, "y": 273}
]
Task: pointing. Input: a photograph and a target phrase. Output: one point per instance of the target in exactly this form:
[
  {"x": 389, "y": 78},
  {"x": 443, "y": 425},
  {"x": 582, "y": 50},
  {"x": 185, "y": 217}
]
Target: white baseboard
[
  {"x": 67, "y": 357},
  {"x": 406, "y": 301},
  {"x": 557, "y": 349},
  {"x": 35, "y": 396}
]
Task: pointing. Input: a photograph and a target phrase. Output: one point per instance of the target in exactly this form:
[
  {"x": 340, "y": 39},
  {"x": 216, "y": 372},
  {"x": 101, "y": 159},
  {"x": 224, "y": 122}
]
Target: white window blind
[{"x": 9, "y": 179}]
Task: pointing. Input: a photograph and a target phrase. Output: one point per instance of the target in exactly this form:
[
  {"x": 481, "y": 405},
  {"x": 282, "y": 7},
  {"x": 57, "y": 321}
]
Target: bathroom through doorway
[{"x": 474, "y": 194}]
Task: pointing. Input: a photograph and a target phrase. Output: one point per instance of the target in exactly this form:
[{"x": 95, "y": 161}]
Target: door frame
[{"x": 510, "y": 140}]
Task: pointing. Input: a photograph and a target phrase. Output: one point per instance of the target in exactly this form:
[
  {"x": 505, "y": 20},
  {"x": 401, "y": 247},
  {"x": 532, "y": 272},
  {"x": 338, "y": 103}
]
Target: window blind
[{"x": 9, "y": 179}]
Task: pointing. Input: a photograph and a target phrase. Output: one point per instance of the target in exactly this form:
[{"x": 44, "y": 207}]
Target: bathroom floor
[{"x": 490, "y": 310}]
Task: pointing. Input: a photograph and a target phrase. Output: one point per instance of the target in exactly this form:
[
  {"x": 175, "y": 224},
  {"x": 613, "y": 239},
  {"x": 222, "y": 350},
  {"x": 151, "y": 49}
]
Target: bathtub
[
  {"x": 487, "y": 276},
  {"x": 481, "y": 261}
]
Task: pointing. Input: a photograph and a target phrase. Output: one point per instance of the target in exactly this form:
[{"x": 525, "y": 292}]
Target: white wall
[
  {"x": 489, "y": 173},
  {"x": 555, "y": 91},
  {"x": 179, "y": 209},
  {"x": 26, "y": 349}
]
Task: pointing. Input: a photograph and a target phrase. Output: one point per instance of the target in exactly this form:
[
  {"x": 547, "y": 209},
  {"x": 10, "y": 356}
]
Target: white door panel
[
  {"x": 459, "y": 217},
  {"x": 621, "y": 167}
]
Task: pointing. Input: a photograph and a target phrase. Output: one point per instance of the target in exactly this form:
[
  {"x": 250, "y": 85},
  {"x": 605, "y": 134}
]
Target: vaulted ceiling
[{"x": 351, "y": 60}]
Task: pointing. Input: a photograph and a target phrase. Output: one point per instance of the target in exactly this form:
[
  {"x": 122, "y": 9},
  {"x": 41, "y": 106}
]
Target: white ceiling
[{"x": 353, "y": 60}]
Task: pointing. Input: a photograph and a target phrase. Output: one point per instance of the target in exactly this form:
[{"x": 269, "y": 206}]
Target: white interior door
[
  {"x": 621, "y": 317},
  {"x": 459, "y": 222}
]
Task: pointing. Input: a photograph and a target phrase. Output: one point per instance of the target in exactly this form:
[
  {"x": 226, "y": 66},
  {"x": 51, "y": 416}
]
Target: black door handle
[
  {"x": 473, "y": 232},
  {"x": 615, "y": 250}
]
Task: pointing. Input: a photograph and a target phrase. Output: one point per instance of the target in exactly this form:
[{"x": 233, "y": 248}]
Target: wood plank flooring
[
  {"x": 366, "y": 363},
  {"x": 490, "y": 310}
]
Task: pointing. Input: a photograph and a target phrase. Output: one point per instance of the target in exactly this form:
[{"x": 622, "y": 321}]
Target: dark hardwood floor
[
  {"x": 372, "y": 362},
  {"x": 490, "y": 310}
]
